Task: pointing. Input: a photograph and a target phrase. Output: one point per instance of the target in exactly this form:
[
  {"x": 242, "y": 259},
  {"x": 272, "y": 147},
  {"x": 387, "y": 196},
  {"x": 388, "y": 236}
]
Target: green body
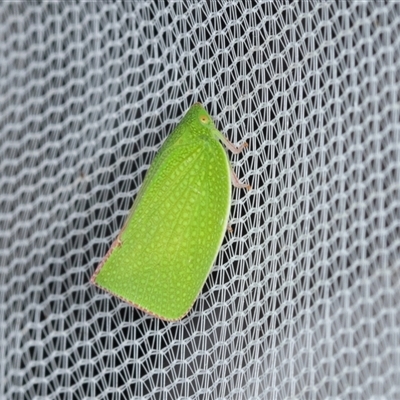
[{"x": 166, "y": 249}]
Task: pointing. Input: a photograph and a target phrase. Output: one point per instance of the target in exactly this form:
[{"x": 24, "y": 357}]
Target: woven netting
[{"x": 304, "y": 298}]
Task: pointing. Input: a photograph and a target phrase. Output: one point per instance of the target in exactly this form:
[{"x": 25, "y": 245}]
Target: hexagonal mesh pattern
[{"x": 303, "y": 301}]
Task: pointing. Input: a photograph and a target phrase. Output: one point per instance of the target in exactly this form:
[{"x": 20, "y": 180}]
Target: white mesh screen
[{"x": 304, "y": 300}]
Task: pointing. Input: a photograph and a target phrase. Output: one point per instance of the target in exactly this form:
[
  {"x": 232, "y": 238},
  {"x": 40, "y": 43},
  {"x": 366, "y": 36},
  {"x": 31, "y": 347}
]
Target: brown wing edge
[{"x": 118, "y": 242}]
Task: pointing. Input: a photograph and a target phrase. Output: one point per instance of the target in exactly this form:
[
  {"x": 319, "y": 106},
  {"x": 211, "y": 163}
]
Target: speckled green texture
[{"x": 167, "y": 247}]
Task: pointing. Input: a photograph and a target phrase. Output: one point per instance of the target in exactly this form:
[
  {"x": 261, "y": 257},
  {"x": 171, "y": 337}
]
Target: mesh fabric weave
[{"x": 303, "y": 301}]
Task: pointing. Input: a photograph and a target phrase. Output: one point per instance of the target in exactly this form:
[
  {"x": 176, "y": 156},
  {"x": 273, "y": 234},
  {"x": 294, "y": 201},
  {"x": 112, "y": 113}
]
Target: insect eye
[{"x": 204, "y": 119}]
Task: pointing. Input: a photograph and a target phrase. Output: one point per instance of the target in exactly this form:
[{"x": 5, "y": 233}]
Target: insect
[{"x": 163, "y": 254}]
